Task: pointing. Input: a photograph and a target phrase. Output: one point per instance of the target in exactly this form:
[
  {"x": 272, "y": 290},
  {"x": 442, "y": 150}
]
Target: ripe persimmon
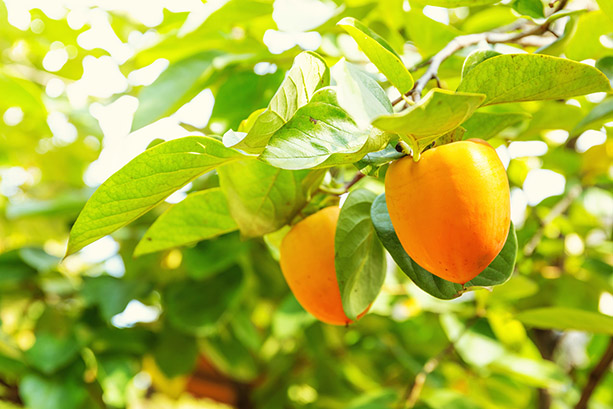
[
  {"x": 307, "y": 262},
  {"x": 451, "y": 209}
]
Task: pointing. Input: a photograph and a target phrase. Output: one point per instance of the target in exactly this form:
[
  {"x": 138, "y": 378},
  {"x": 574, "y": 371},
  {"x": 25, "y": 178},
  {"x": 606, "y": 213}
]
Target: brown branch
[
  {"x": 468, "y": 40},
  {"x": 358, "y": 176},
  {"x": 411, "y": 396},
  {"x": 596, "y": 376},
  {"x": 555, "y": 211}
]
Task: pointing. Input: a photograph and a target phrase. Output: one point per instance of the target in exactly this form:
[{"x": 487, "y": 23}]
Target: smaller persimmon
[{"x": 307, "y": 262}]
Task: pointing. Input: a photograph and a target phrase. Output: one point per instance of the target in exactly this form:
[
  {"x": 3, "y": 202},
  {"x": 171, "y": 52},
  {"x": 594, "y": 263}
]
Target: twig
[
  {"x": 411, "y": 396},
  {"x": 358, "y": 176},
  {"x": 596, "y": 376},
  {"x": 555, "y": 211},
  {"x": 468, "y": 40}
]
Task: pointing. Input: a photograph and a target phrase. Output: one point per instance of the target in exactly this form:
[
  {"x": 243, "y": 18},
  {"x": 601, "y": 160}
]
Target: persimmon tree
[{"x": 355, "y": 165}]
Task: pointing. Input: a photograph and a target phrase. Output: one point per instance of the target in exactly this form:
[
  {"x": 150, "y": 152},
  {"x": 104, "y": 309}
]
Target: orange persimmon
[
  {"x": 307, "y": 262},
  {"x": 451, "y": 209}
]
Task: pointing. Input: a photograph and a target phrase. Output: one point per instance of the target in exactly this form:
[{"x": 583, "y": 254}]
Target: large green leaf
[
  {"x": 165, "y": 94},
  {"x": 359, "y": 258},
  {"x": 439, "y": 112},
  {"x": 111, "y": 294},
  {"x": 599, "y": 114},
  {"x": 321, "y": 134},
  {"x": 307, "y": 75},
  {"x": 605, "y": 64},
  {"x": 567, "y": 319},
  {"x": 475, "y": 58},
  {"x": 200, "y": 216},
  {"x": 196, "y": 307},
  {"x": 43, "y": 392},
  {"x": 530, "y": 77},
  {"x": 143, "y": 183},
  {"x": 380, "y": 53},
  {"x": 51, "y": 352},
  {"x": 429, "y": 36},
  {"x": 486, "y": 125},
  {"x": 358, "y": 93},
  {"x": 496, "y": 273},
  {"x": 262, "y": 198},
  {"x": 165, "y": 352}
]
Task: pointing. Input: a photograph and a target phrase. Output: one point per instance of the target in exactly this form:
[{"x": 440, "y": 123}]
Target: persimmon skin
[
  {"x": 451, "y": 209},
  {"x": 307, "y": 262}
]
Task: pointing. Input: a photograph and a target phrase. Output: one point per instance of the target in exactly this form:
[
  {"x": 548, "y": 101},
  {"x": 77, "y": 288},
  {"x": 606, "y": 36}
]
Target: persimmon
[
  {"x": 307, "y": 262},
  {"x": 450, "y": 209}
]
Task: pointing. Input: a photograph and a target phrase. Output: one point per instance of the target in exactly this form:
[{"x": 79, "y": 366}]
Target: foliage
[{"x": 152, "y": 159}]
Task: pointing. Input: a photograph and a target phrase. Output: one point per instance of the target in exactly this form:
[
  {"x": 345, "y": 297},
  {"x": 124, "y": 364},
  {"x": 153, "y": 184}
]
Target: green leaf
[
  {"x": 454, "y": 3},
  {"x": 21, "y": 93},
  {"x": 165, "y": 352},
  {"x": 230, "y": 356},
  {"x": 40, "y": 392},
  {"x": 439, "y": 112},
  {"x": 496, "y": 273},
  {"x": 143, "y": 183},
  {"x": 200, "y": 216},
  {"x": 359, "y": 258},
  {"x": 358, "y": 93},
  {"x": 165, "y": 94},
  {"x": 262, "y": 198},
  {"x": 585, "y": 43},
  {"x": 532, "y": 77},
  {"x": 567, "y": 319},
  {"x": 606, "y": 7},
  {"x": 531, "y": 8},
  {"x": 321, "y": 134},
  {"x": 371, "y": 163},
  {"x": 111, "y": 294},
  {"x": 380, "y": 53},
  {"x": 486, "y": 125},
  {"x": 475, "y": 58},
  {"x": 605, "y": 64},
  {"x": 429, "y": 36},
  {"x": 210, "y": 257},
  {"x": 196, "y": 307},
  {"x": 599, "y": 114},
  {"x": 243, "y": 92},
  {"x": 51, "y": 352},
  {"x": 115, "y": 372},
  {"x": 308, "y": 74}
]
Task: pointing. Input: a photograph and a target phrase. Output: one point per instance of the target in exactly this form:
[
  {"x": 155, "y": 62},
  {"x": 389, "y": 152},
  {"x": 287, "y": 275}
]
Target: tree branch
[
  {"x": 596, "y": 376},
  {"x": 411, "y": 396},
  {"x": 555, "y": 211},
  {"x": 468, "y": 40}
]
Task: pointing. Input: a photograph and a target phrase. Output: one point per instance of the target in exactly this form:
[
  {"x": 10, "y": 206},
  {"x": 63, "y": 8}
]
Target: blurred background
[{"x": 87, "y": 85}]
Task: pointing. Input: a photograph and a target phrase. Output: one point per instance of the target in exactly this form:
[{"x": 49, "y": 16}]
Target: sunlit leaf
[
  {"x": 143, "y": 183},
  {"x": 380, "y": 53},
  {"x": 567, "y": 319},
  {"x": 531, "y": 77},
  {"x": 321, "y": 134},
  {"x": 307, "y": 75},
  {"x": 262, "y": 198},
  {"x": 166, "y": 93},
  {"x": 358, "y": 93},
  {"x": 439, "y": 112},
  {"x": 200, "y": 216},
  {"x": 486, "y": 125}
]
